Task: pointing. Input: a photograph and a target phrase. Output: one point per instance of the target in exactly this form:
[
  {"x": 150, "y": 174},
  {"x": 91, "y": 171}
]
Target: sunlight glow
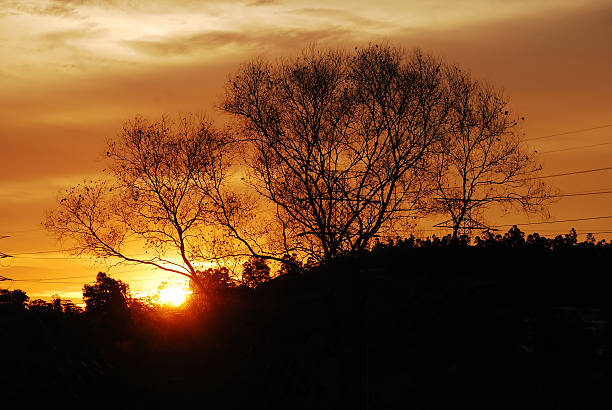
[{"x": 174, "y": 296}]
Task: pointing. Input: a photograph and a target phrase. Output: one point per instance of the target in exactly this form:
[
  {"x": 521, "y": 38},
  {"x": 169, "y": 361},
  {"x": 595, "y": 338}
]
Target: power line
[
  {"x": 579, "y": 194},
  {"x": 535, "y": 197},
  {"x": 47, "y": 279},
  {"x": 53, "y": 281},
  {"x": 23, "y": 230},
  {"x": 42, "y": 252},
  {"x": 553, "y": 222},
  {"x": 557, "y": 232},
  {"x": 51, "y": 258},
  {"x": 569, "y": 132},
  {"x": 585, "y": 171},
  {"x": 567, "y": 173},
  {"x": 574, "y": 148}
]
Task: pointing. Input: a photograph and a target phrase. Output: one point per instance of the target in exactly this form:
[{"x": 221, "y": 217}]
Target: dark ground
[{"x": 506, "y": 326}]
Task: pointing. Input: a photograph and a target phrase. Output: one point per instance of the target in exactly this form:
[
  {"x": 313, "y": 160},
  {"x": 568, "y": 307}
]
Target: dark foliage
[
  {"x": 255, "y": 271},
  {"x": 107, "y": 295},
  {"x": 513, "y": 322},
  {"x": 11, "y": 300}
]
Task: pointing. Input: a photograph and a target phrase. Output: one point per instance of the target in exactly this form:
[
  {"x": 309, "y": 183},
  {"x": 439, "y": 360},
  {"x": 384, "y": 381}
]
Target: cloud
[
  {"x": 61, "y": 8},
  {"x": 186, "y": 45},
  {"x": 341, "y": 16},
  {"x": 64, "y": 38},
  {"x": 153, "y": 6}
]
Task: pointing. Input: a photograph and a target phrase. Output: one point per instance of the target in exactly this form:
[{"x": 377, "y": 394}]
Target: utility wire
[
  {"x": 565, "y": 173},
  {"x": 554, "y": 222},
  {"x": 22, "y": 230},
  {"x": 578, "y": 194},
  {"x": 557, "y": 232},
  {"x": 52, "y": 258},
  {"x": 42, "y": 252},
  {"x": 574, "y": 148},
  {"x": 47, "y": 279},
  {"x": 585, "y": 171},
  {"x": 53, "y": 281},
  {"x": 578, "y": 232},
  {"x": 533, "y": 197},
  {"x": 569, "y": 132}
]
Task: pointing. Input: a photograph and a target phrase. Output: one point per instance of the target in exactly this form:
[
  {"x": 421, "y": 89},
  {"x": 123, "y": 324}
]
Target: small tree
[
  {"x": 255, "y": 271},
  {"x": 214, "y": 280},
  {"x": 13, "y": 299},
  {"x": 40, "y": 305},
  {"x": 107, "y": 295},
  {"x": 56, "y": 304},
  {"x": 290, "y": 265},
  {"x": 60, "y": 305},
  {"x": 484, "y": 161},
  {"x": 163, "y": 190},
  {"x": 340, "y": 142}
]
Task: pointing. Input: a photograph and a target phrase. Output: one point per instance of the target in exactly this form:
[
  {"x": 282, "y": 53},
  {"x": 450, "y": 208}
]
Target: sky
[{"x": 72, "y": 71}]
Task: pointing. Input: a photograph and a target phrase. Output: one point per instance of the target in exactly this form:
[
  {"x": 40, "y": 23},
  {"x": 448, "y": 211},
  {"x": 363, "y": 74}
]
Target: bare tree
[
  {"x": 340, "y": 143},
  {"x": 485, "y": 160},
  {"x": 162, "y": 189}
]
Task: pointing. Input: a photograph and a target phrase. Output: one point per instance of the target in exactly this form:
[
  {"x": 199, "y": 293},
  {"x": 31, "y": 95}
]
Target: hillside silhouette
[{"x": 508, "y": 322}]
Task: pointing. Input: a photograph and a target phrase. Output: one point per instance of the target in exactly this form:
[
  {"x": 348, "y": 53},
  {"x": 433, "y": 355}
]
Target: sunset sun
[{"x": 174, "y": 296}]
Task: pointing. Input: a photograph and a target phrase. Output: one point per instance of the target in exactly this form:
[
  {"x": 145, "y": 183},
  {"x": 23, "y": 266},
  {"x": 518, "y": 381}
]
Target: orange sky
[{"x": 71, "y": 71}]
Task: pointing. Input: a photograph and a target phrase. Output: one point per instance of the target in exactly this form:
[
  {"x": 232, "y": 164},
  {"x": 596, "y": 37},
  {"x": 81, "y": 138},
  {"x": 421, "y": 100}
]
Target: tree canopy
[
  {"x": 162, "y": 189},
  {"x": 340, "y": 141},
  {"x": 335, "y": 149},
  {"x": 106, "y": 295},
  {"x": 485, "y": 160}
]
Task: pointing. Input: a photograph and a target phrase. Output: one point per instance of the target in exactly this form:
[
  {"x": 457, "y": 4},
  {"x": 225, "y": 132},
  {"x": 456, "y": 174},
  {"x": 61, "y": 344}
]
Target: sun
[{"x": 174, "y": 296}]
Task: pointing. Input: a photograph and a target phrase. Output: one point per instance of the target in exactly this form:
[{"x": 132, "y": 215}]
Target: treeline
[
  {"x": 108, "y": 293},
  {"x": 514, "y": 321}
]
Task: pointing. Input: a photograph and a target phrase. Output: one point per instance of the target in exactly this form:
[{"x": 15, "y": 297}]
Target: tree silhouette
[
  {"x": 215, "y": 279},
  {"x": 106, "y": 295},
  {"x": 163, "y": 190},
  {"x": 485, "y": 159},
  {"x": 340, "y": 142},
  {"x": 13, "y": 299},
  {"x": 291, "y": 266},
  {"x": 342, "y": 148},
  {"x": 255, "y": 271},
  {"x": 40, "y": 305},
  {"x": 60, "y": 305}
]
